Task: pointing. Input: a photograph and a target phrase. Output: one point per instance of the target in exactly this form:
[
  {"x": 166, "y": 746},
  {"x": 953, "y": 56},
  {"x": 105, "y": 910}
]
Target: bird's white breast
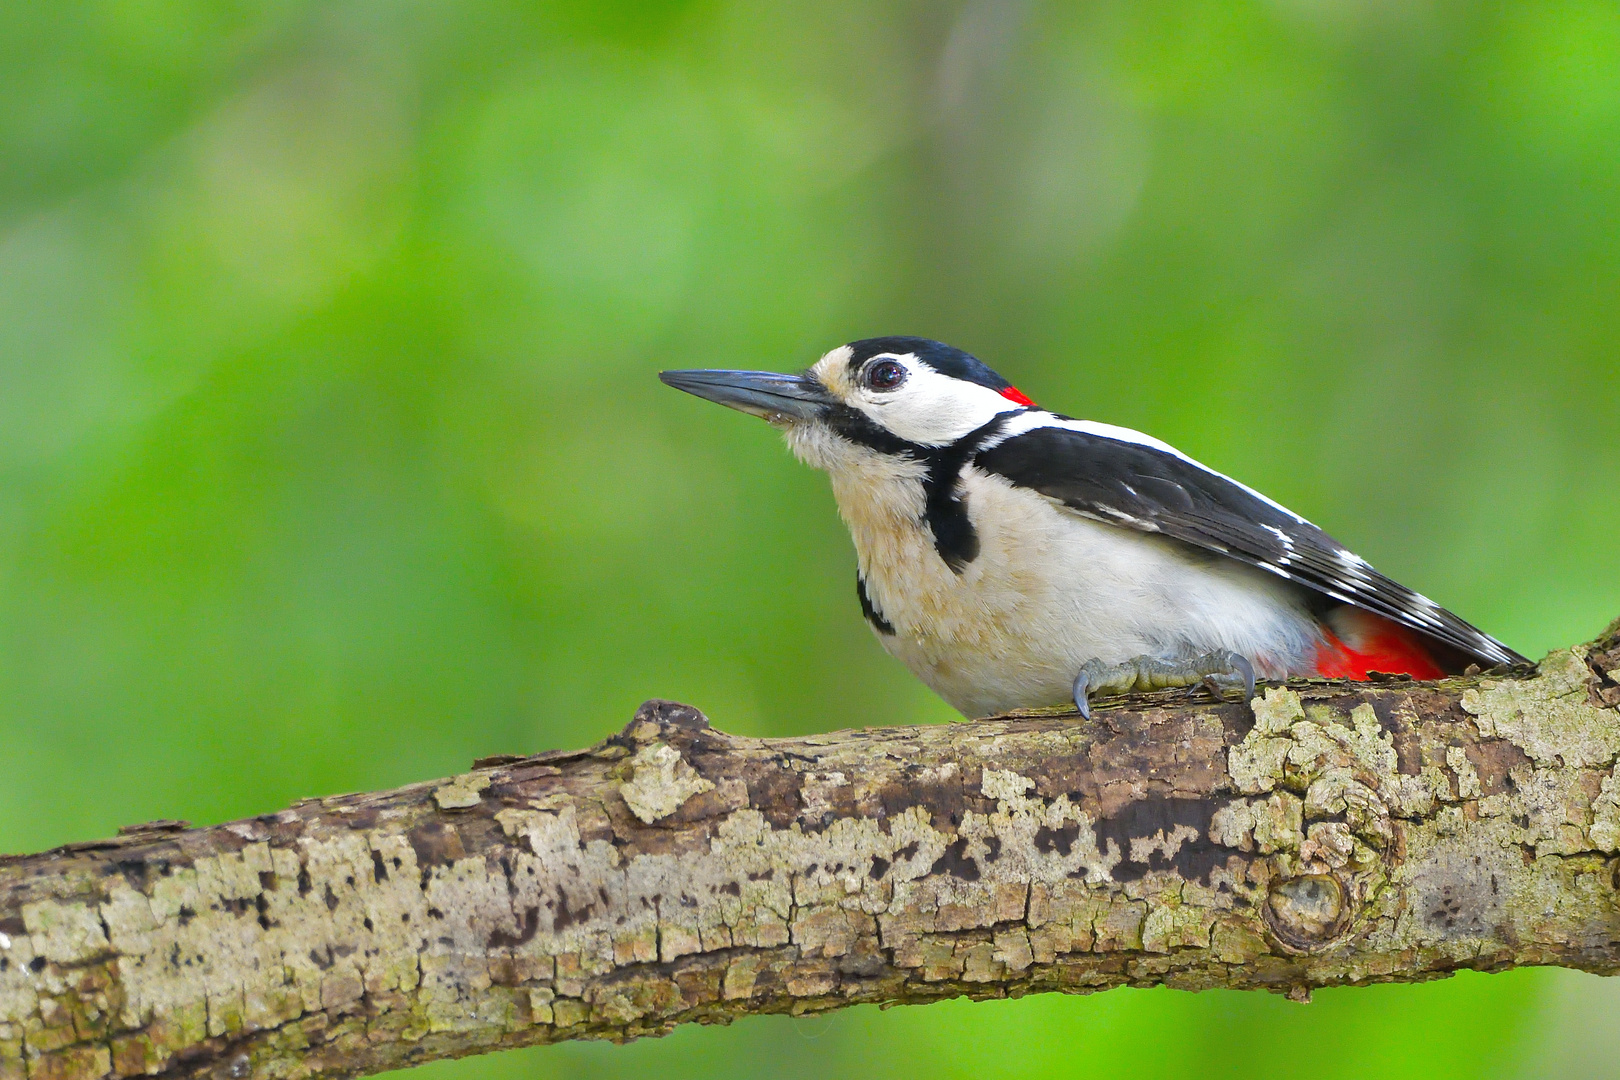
[{"x": 1048, "y": 591}]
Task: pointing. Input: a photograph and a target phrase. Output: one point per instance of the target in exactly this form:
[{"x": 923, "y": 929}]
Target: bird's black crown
[{"x": 936, "y": 354}]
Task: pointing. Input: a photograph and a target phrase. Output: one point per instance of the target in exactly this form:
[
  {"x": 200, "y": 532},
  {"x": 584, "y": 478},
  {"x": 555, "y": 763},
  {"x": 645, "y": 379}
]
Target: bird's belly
[{"x": 1049, "y": 591}]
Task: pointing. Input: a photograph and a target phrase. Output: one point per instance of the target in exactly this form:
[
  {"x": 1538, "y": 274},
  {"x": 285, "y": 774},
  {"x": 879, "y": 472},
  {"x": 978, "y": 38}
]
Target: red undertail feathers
[{"x": 1358, "y": 642}]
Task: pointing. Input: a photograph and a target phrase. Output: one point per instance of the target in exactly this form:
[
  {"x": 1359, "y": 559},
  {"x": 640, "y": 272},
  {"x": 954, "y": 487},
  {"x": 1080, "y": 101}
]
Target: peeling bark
[{"x": 1337, "y": 834}]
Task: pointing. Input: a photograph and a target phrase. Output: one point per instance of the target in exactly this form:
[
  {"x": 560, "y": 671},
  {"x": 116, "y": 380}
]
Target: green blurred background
[{"x": 332, "y": 455}]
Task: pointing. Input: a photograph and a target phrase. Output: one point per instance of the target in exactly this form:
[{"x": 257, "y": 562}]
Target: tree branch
[{"x": 1340, "y": 834}]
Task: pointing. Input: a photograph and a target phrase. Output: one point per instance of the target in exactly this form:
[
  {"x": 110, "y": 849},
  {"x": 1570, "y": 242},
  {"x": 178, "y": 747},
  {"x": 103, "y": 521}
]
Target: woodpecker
[{"x": 1014, "y": 558}]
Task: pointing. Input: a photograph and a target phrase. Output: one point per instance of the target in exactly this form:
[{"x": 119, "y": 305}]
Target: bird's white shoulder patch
[{"x": 1039, "y": 418}]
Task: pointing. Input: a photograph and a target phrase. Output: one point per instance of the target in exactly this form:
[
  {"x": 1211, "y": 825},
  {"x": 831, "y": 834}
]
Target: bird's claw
[
  {"x": 1217, "y": 671},
  {"x": 1237, "y": 669}
]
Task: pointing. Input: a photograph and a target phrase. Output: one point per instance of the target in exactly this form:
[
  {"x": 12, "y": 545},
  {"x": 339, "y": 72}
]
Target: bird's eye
[{"x": 885, "y": 375}]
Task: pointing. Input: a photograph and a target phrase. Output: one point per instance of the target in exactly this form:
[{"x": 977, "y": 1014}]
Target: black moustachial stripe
[
  {"x": 944, "y": 509},
  {"x": 873, "y": 615},
  {"x": 1142, "y": 487},
  {"x": 860, "y": 429},
  {"x": 944, "y": 506}
]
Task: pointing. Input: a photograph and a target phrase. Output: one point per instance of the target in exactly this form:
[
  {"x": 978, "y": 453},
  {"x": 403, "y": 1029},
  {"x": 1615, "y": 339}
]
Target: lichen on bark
[{"x": 1334, "y": 834}]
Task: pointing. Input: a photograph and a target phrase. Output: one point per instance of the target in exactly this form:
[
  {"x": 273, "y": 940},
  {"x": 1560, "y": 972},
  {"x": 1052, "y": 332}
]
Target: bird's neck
[{"x": 882, "y": 500}]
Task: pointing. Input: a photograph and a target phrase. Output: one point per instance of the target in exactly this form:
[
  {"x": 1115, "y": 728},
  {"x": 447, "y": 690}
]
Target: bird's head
[{"x": 890, "y": 397}]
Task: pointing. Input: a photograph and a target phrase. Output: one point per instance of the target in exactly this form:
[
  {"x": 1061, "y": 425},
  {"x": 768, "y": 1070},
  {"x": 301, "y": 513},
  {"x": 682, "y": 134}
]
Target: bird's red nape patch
[
  {"x": 1012, "y": 393},
  {"x": 1365, "y": 643}
]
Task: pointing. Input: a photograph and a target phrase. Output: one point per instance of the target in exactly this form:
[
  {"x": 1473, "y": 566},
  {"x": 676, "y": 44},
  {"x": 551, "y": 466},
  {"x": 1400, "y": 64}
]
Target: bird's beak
[{"x": 761, "y": 393}]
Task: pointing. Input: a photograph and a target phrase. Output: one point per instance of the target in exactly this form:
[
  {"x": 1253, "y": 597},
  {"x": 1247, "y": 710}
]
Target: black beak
[{"x": 761, "y": 393}]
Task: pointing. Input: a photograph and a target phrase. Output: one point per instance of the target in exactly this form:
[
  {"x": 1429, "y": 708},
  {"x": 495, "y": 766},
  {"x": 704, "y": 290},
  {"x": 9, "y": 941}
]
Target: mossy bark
[{"x": 1336, "y": 834}]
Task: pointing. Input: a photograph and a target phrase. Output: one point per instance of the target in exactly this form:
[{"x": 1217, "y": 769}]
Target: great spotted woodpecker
[{"x": 1013, "y": 557}]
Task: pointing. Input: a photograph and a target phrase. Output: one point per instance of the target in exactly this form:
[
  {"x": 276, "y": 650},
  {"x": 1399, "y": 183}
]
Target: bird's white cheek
[{"x": 937, "y": 421}]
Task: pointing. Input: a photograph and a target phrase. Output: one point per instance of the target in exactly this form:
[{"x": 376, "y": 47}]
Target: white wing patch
[{"x": 1039, "y": 418}]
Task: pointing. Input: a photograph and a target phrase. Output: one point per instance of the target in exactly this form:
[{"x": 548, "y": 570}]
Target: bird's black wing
[{"x": 1123, "y": 478}]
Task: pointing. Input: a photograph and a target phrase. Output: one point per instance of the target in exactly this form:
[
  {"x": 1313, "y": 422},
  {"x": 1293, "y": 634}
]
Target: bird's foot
[{"x": 1217, "y": 671}]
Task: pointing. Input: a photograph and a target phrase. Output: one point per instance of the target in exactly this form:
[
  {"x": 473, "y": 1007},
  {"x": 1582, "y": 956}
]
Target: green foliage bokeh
[{"x": 332, "y": 456}]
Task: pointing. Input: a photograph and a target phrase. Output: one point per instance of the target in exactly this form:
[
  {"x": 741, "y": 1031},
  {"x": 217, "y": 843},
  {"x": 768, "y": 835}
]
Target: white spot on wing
[
  {"x": 1130, "y": 519},
  {"x": 1423, "y": 616}
]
